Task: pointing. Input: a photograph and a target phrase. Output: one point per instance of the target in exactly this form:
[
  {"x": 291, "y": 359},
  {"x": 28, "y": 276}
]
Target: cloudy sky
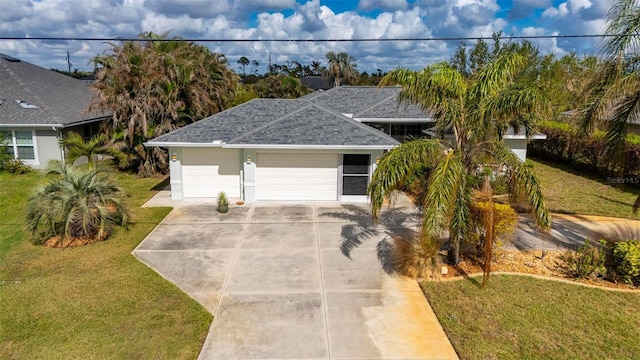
[{"x": 296, "y": 19}]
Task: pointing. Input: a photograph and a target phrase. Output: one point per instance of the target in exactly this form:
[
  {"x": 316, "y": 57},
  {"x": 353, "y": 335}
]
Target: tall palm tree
[
  {"x": 477, "y": 112},
  {"x": 341, "y": 67},
  {"x": 81, "y": 203},
  {"x": 614, "y": 94},
  {"x": 156, "y": 86},
  {"x": 243, "y": 61},
  {"x": 98, "y": 145}
]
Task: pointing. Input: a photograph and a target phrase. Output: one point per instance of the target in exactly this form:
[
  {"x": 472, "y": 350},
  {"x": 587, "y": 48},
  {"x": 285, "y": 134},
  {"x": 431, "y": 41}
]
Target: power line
[{"x": 456, "y": 38}]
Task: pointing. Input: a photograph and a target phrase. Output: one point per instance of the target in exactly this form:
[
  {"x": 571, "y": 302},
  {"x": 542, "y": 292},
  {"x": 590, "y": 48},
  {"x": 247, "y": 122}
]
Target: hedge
[{"x": 587, "y": 154}]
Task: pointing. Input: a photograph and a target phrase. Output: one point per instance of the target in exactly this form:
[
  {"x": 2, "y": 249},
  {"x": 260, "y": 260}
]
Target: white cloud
[{"x": 304, "y": 19}]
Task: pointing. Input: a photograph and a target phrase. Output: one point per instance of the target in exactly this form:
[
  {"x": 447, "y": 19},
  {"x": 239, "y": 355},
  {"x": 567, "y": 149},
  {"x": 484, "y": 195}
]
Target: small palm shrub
[
  {"x": 626, "y": 259},
  {"x": 15, "y": 166},
  {"x": 79, "y": 205},
  {"x": 588, "y": 260}
]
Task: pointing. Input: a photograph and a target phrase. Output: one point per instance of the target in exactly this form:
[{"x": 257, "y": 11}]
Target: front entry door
[{"x": 355, "y": 176}]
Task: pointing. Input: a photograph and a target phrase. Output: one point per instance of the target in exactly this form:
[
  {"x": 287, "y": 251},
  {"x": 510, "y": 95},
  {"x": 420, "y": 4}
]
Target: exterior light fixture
[
  {"x": 377, "y": 161},
  {"x": 174, "y": 157},
  {"x": 248, "y": 159}
]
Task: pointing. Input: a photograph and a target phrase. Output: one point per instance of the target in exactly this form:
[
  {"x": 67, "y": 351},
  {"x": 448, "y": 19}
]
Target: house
[
  {"x": 38, "y": 106},
  {"x": 633, "y": 124},
  {"x": 321, "y": 146},
  {"x": 317, "y": 82}
]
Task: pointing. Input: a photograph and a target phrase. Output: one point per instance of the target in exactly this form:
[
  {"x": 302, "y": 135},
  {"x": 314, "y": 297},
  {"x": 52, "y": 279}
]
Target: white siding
[
  {"x": 205, "y": 172},
  {"x": 519, "y": 147},
  {"x": 284, "y": 176}
]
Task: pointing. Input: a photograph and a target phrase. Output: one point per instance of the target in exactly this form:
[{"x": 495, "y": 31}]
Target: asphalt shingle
[{"x": 54, "y": 98}]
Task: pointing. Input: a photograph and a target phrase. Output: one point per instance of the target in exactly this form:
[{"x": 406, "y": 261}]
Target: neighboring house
[
  {"x": 38, "y": 106},
  {"x": 633, "y": 125},
  {"x": 322, "y": 146},
  {"x": 517, "y": 142},
  {"x": 317, "y": 82}
]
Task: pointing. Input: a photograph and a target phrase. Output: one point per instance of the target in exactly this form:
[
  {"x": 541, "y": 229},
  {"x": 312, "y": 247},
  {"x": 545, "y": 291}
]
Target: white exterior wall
[
  {"x": 519, "y": 147},
  {"x": 47, "y": 147}
]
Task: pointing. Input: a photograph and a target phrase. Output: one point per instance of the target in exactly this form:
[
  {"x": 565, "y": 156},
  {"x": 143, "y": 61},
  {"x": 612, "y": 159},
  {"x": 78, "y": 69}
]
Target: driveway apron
[{"x": 297, "y": 281}]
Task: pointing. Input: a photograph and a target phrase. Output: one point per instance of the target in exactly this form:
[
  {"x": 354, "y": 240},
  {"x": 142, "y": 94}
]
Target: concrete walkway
[{"x": 296, "y": 281}]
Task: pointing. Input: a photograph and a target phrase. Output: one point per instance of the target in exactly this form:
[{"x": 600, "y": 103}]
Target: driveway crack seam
[
  {"x": 322, "y": 287},
  {"x": 233, "y": 259}
]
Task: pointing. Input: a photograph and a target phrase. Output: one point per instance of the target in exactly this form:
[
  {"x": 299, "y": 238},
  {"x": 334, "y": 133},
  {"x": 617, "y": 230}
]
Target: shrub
[
  {"x": 505, "y": 221},
  {"x": 626, "y": 260},
  {"x": 15, "y": 166},
  {"x": 588, "y": 260}
]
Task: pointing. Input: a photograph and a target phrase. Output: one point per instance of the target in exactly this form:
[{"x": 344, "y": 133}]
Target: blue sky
[{"x": 291, "y": 19}]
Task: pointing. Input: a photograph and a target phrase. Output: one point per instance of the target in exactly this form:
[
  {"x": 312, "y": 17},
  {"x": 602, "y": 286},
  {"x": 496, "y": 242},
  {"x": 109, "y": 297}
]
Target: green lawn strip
[
  {"x": 570, "y": 193},
  {"x": 517, "y": 317},
  {"x": 94, "y": 301}
]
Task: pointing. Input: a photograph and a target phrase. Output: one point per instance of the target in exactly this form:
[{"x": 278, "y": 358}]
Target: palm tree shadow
[{"x": 361, "y": 228}]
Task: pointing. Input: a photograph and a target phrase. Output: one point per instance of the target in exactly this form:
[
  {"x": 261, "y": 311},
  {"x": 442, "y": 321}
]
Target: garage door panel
[
  {"x": 205, "y": 172},
  {"x": 281, "y": 176}
]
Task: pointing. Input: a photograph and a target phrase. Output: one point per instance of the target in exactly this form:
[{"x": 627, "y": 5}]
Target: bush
[
  {"x": 15, "y": 166},
  {"x": 626, "y": 261},
  {"x": 505, "y": 221},
  {"x": 587, "y": 260},
  {"x": 586, "y": 153}
]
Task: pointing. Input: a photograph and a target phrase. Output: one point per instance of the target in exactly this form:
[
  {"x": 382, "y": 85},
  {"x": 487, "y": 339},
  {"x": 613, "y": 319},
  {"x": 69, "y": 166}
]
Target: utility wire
[{"x": 457, "y": 38}]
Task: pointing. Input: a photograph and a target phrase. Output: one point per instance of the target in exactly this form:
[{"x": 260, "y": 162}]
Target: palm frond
[
  {"x": 524, "y": 182},
  {"x": 397, "y": 164}
]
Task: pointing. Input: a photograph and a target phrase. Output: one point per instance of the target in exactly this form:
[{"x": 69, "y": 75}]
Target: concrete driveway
[{"x": 297, "y": 281}]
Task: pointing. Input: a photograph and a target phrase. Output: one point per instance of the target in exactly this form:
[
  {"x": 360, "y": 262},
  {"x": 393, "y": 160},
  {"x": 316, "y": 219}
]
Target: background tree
[
  {"x": 79, "y": 205},
  {"x": 317, "y": 68},
  {"x": 280, "y": 87},
  {"x": 154, "y": 87},
  {"x": 477, "y": 112},
  {"x": 612, "y": 99},
  {"x": 243, "y": 61},
  {"x": 341, "y": 67},
  {"x": 255, "y": 65}
]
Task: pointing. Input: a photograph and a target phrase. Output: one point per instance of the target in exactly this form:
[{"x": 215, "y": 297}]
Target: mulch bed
[{"x": 530, "y": 262}]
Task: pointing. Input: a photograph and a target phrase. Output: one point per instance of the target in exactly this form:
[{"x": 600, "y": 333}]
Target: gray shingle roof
[
  {"x": 55, "y": 99},
  {"x": 277, "y": 122},
  {"x": 366, "y": 102}
]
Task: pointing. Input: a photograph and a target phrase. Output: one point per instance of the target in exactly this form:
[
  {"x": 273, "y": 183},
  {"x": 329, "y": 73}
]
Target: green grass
[
  {"x": 517, "y": 317},
  {"x": 95, "y": 301},
  {"x": 570, "y": 193}
]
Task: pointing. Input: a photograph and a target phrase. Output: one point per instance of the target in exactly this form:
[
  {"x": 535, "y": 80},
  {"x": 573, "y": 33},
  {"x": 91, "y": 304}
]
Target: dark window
[
  {"x": 354, "y": 185},
  {"x": 355, "y": 164}
]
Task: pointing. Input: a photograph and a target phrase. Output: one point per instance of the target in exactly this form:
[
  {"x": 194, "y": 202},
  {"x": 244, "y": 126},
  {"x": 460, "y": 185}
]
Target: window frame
[{"x": 12, "y": 144}]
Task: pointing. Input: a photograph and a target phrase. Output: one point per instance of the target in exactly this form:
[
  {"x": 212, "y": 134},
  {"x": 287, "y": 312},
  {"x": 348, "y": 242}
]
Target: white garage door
[
  {"x": 205, "y": 172},
  {"x": 296, "y": 176}
]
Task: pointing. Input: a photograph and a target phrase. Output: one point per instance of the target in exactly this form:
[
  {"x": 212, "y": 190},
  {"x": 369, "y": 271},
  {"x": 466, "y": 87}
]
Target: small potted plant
[{"x": 223, "y": 202}]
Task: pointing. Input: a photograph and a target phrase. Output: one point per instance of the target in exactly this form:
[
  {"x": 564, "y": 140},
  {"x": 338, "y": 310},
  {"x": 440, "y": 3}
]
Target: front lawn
[
  {"x": 570, "y": 193},
  {"x": 518, "y": 317},
  {"x": 95, "y": 301}
]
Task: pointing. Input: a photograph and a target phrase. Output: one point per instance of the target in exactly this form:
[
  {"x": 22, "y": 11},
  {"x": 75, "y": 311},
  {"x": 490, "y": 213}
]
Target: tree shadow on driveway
[{"x": 393, "y": 223}]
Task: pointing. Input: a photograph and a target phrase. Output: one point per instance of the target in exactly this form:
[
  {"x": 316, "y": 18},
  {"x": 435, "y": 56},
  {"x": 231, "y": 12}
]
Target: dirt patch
[
  {"x": 57, "y": 242},
  {"x": 537, "y": 262}
]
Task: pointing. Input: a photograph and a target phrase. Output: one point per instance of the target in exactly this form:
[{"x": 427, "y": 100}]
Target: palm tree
[
  {"x": 243, "y": 61},
  {"x": 80, "y": 204},
  {"x": 341, "y": 67},
  {"x": 317, "y": 68},
  {"x": 98, "y": 145},
  {"x": 154, "y": 87},
  {"x": 478, "y": 112},
  {"x": 614, "y": 93}
]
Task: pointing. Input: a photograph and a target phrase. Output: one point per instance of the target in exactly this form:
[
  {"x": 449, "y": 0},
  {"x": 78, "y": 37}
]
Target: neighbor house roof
[
  {"x": 511, "y": 134},
  {"x": 33, "y": 96},
  {"x": 295, "y": 123},
  {"x": 571, "y": 113},
  {"x": 368, "y": 104}
]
